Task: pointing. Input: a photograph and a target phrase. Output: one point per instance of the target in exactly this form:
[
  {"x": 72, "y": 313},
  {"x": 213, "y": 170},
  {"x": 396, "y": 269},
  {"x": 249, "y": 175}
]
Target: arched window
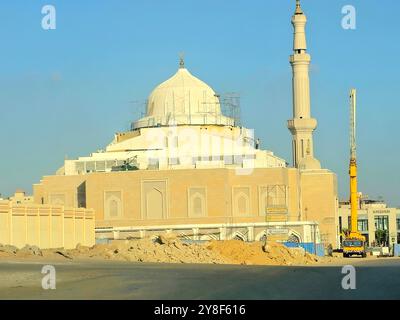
[
  {"x": 112, "y": 205},
  {"x": 238, "y": 238},
  {"x": 241, "y": 201},
  {"x": 293, "y": 238},
  {"x": 242, "y": 205},
  {"x": 113, "y": 208},
  {"x": 154, "y": 204},
  {"x": 197, "y": 206}
]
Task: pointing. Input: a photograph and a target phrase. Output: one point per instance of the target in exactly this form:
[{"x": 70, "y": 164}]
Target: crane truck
[{"x": 354, "y": 242}]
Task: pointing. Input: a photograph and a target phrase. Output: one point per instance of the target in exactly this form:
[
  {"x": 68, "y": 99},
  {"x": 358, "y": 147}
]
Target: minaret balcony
[
  {"x": 300, "y": 57},
  {"x": 302, "y": 125}
]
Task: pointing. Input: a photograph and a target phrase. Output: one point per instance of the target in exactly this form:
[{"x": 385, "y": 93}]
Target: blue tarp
[
  {"x": 396, "y": 250},
  {"x": 103, "y": 241},
  {"x": 317, "y": 249}
]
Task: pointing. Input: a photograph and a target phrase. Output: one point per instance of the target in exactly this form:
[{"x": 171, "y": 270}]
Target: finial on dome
[
  {"x": 298, "y": 8},
  {"x": 181, "y": 60}
]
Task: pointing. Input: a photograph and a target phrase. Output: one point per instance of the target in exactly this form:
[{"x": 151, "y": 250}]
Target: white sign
[{"x": 278, "y": 231}]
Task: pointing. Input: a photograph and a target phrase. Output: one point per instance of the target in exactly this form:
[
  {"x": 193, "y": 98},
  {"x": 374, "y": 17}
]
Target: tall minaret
[{"x": 302, "y": 125}]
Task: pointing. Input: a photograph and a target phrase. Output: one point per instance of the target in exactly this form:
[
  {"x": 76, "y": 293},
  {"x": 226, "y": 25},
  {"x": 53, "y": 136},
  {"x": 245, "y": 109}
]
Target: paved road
[{"x": 376, "y": 279}]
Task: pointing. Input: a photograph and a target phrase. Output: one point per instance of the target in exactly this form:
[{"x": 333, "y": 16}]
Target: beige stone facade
[{"x": 197, "y": 197}]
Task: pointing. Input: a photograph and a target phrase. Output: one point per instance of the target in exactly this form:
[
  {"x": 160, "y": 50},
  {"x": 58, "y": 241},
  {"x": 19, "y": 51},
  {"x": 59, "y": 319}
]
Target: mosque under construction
[{"x": 188, "y": 168}]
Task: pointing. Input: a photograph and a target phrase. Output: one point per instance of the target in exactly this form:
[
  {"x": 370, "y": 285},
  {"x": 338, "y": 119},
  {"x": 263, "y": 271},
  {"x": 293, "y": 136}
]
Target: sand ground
[
  {"x": 95, "y": 279},
  {"x": 170, "y": 269}
]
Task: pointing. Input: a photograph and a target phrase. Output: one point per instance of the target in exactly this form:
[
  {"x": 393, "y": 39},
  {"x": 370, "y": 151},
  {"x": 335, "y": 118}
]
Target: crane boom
[
  {"x": 353, "y": 103},
  {"x": 353, "y": 162},
  {"x": 354, "y": 242}
]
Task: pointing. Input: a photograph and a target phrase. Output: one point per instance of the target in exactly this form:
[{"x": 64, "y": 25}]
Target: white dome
[
  {"x": 182, "y": 94},
  {"x": 183, "y": 99}
]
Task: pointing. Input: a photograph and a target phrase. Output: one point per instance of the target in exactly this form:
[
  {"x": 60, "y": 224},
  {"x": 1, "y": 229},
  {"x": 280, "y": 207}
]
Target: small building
[
  {"x": 379, "y": 223},
  {"x": 20, "y": 197},
  {"x": 45, "y": 226}
]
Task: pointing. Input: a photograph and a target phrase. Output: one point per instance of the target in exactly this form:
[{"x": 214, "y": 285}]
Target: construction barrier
[
  {"x": 46, "y": 226},
  {"x": 310, "y": 247}
]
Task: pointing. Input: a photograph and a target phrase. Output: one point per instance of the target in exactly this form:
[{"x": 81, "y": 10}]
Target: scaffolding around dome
[
  {"x": 230, "y": 115},
  {"x": 184, "y": 99}
]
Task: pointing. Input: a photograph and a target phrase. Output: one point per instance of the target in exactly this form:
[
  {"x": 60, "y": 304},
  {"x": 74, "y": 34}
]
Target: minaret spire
[
  {"x": 298, "y": 8},
  {"x": 302, "y": 124}
]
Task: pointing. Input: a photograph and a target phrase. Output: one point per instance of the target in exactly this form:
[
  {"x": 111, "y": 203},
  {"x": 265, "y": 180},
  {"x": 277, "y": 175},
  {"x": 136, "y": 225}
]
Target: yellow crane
[{"x": 354, "y": 242}]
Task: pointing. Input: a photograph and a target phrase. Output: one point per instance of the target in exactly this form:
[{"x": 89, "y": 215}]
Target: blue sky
[{"x": 65, "y": 92}]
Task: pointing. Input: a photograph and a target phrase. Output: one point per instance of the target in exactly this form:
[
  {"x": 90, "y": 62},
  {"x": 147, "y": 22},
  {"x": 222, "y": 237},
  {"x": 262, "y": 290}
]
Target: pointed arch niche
[
  {"x": 113, "y": 205},
  {"x": 154, "y": 199},
  {"x": 197, "y": 202},
  {"x": 241, "y": 205}
]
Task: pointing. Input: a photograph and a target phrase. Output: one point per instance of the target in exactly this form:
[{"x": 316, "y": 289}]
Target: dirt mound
[
  {"x": 257, "y": 253},
  {"x": 162, "y": 249},
  {"x": 29, "y": 251},
  {"x": 169, "y": 249},
  {"x": 8, "y": 250}
]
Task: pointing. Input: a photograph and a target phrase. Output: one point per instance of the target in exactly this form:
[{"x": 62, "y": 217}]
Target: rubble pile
[{"x": 169, "y": 249}]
